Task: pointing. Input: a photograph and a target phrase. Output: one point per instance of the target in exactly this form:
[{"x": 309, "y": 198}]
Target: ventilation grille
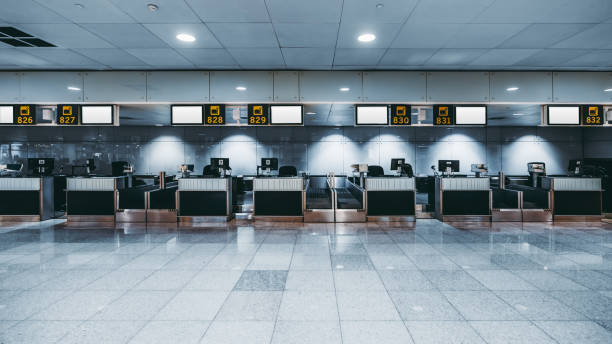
[{"x": 17, "y": 38}]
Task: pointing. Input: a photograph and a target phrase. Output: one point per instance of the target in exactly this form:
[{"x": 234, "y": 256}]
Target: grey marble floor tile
[
  {"x": 548, "y": 280},
  {"x": 32, "y": 331},
  {"x": 80, "y": 305},
  {"x": 433, "y": 262},
  {"x": 107, "y": 332},
  {"x": 308, "y": 305},
  {"x": 357, "y": 280},
  {"x": 251, "y": 306},
  {"x": 135, "y": 305},
  {"x": 570, "y": 332},
  {"x": 72, "y": 280},
  {"x": 424, "y": 305},
  {"x": 162, "y": 332},
  {"x": 388, "y": 332},
  {"x": 453, "y": 280},
  {"x": 270, "y": 262},
  {"x": 310, "y": 280},
  {"x": 359, "y": 305},
  {"x": 511, "y": 332},
  {"x": 229, "y": 262},
  {"x": 193, "y": 305},
  {"x": 214, "y": 280},
  {"x": 392, "y": 263},
  {"x": 589, "y": 278},
  {"x": 119, "y": 280},
  {"x": 307, "y": 332},
  {"x": 148, "y": 261},
  {"x": 536, "y": 305},
  {"x": 443, "y": 332},
  {"x": 262, "y": 280},
  {"x": 593, "y": 305},
  {"x": 166, "y": 280},
  {"x": 500, "y": 280},
  {"x": 239, "y": 332},
  {"x": 405, "y": 280},
  {"x": 481, "y": 305},
  {"x": 355, "y": 263}
]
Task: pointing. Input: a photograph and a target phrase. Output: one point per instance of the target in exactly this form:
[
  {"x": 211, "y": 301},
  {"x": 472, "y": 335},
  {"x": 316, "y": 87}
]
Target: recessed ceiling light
[
  {"x": 240, "y": 88},
  {"x": 152, "y": 7},
  {"x": 73, "y": 88},
  {"x": 518, "y": 114},
  {"x": 366, "y": 37},
  {"x": 380, "y": 5},
  {"x": 608, "y": 90},
  {"x": 311, "y": 113},
  {"x": 512, "y": 89},
  {"x": 185, "y": 37},
  {"x": 79, "y": 5},
  {"x": 344, "y": 89}
]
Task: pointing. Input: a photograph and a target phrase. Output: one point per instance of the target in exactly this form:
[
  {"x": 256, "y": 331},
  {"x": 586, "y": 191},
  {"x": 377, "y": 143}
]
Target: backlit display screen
[
  {"x": 371, "y": 115},
  {"x": 471, "y": 115},
  {"x": 564, "y": 115},
  {"x": 186, "y": 114},
  {"x": 286, "y": 114},
  {"x": 6, "y": 114},
  {"x": 97, "y": 114}
]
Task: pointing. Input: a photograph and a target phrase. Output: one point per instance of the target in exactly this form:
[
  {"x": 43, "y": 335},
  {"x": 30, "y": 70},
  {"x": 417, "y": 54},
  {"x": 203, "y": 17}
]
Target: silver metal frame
[
  {"x": 350, "y": 215},
  {"x": 205, "y": 218}
]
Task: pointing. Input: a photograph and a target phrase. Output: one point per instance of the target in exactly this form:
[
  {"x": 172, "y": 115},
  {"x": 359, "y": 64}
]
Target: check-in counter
[
  {"x": 204, "y": 199},
  {"x": 279, "y": 198},
  {"x": 319, "y": 200},
  {"x": 575, "y": 198},
  {"x": 161, "y": 205},
  {"x": 132, "y": 203},
  {"x": 26, "y": 199},
  {"x": 536, "y": 203},
  {"x": 390, "y": 198},
  {"x": 507, "y": 205},
  {"x": 93, "y": 199},
  {"x": 349, "y": 200},
  {"x": 463, "y": 199}
]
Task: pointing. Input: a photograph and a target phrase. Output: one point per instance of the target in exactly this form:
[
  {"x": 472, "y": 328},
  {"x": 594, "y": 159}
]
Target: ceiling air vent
[{"x": 18, "y": 38}]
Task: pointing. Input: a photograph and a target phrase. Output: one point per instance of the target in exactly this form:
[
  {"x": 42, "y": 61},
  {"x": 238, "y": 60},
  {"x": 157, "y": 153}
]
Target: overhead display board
[
  {"x": 443, "y": 115},
  {"x": 67, "y": 115},
  {"x": 563, "y": 114},
  {"x": 470, "y": 115},
  {"x": 286, "y": 115},
  {"x": 371, "y": 114},
  {"x": 186, "y": 114},
  {"x": 258, "y": 114},
  {"x": 6, "y": 114},
  {"x": 400, "y": 115},
  {"x": 25, "y": 115},
  {"x": 215, "y": 114},
  {"x": 592, "y": 115},
  {"x": 97, "y": 114}
]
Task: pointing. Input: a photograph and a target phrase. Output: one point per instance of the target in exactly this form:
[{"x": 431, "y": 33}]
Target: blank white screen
[
  {"x": 97, "y": 114},
  {"x": 186, "y": 115},
  {"x": 372, "y": 115},
  {"x": 563, "y": 115},
  {"x": 6, "y": 114},
  {"x": 286, "y": 114},
  {"x": 471, "y": 115}
]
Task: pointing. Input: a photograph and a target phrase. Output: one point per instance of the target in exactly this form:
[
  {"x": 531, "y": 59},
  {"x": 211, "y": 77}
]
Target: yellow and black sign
[
  {"x": 67, "y": 115},
  {"x": 24, "y": 115},
  {"x": 592, "y": 115},
  {"x": 215, "y": 114},
  {"x": 258, "y": 114},
  {"x": 443, "y": 115},
  {"x": 400, "y": 115}
]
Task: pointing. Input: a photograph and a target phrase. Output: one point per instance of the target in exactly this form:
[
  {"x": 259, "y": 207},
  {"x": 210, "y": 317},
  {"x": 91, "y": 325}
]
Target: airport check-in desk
[
  {"x": 319, "y": 200},
  {"x": 535, "y": 203},
  {"x": 279, "y": 198},
  {"x": 26, "y": 199},
  {"x": 507, "y": 205},
  {"x": 463, "y": 199},
  {"x": 161, "y": 204},
  {"x": 390, "y": 198},
  {"x": 204, "y": 199},
  {"x": 348, "y": 199},
  {"x": 575, "y": 198},
  {"x": 132, "y": 203},
  {"x": 93, "y": 199}
]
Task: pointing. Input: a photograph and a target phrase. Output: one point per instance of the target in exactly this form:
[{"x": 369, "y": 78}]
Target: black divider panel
[
  {"x": 318, "y": 198},
  {"x": 132, "y": 199},
  {"x": 577, "y": 203},
  {"x": 162, "y": 199},
  {"x": 533, "y": 198},
  {"x": 278, "y": 203},
  {"x": 465, "y": 202},
  {"x": 347, "y": 200},
  {"x": 505, "y": 199},
  {"x": 90, "y": 203},
  {"x": 203, "y": 203},
  {"x": 382, "y": 203},
  {"x": 19, "y": 203}
]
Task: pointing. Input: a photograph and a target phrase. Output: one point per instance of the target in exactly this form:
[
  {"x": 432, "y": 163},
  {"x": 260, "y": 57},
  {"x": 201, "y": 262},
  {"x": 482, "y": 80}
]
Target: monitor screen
[
  {"x": 372, "y": 115},
  {"x": 560, "y": 115},
  {"x": 6, "y": 114},
  {"x": 97, "y": 114},
  {"x": 186, "y": 114},
  {"x": 271, "y": 163},
  {"x": 286, "y": 114},
  {"x": 219, "y": 163},
  {"x": 397, "y": 163},
  {"x": 452, "y": 164},
  {"x": 476, "y": 115}
]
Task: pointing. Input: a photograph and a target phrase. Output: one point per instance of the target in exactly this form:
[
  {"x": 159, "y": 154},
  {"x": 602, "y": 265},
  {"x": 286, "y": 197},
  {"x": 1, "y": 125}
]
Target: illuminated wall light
[
  {"x": 512, "y": 89},
  {"x": 608, "y": 90}
]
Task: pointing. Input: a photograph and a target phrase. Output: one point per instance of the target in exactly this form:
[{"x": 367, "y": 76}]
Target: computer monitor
[
  {"x": 41, "y": 166},
  {"x": 269, "y": 164},
  {"x": 397, "y": 163},
  {"x": 574, "y": 166},
  {"x": 219, "y": 163},
  {"x": 448, "y": 165}
]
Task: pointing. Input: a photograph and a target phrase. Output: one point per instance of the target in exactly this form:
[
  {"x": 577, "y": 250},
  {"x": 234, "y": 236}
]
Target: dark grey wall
[{"x": 313, "y": 149}]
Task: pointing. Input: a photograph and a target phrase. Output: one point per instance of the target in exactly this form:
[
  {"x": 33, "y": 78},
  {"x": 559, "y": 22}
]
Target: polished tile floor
[{"x": 295, "y": 283}]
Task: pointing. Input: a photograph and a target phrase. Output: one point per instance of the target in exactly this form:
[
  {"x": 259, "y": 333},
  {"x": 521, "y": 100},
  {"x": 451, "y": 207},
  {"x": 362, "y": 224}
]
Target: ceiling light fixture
[
  {"x": 366, "y": 37},
  {"x": 240, "y": 88},
  {"x": 311, "y": 113},
  {"x": 380, "y": 5},
  {"x": 152, "y": 7},
  {"x": 344, "y": 89},
  {"x": 79, "y": 5},
  {"x": 73, "y": 88},
  {"x": 185, "y": 37},
  {"x": 518, "y": 114},
  {"x": 608, "y": 90},
  {"x": 512, "y": 89}
]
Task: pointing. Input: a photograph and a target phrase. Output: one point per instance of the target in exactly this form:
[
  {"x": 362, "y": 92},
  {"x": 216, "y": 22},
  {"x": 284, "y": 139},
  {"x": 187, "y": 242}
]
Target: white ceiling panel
[
  {"x": 308, "y": 56},
  {"x": 28, "y": 11},
  {"x": 245, "y": 35},
  {"x": 358, "y": 57},
  {"x": 547, "y": 11},
  {"x": 61, "y": 57},
  {"x": 349, "y": 31},
  {"x": 392, "y": 11},
  {"x": 258, "y": 56},
  {"x": 98, "y": 11},
  {"x": 503, "y": 57},
  {"x": 551, "y": 57},
  {"x": 20, "y": 58},
  {"x": 168, "y": 32},
  {"x": 597, "y": 37},
  {"x": 483, "y": 35},
  {"x": 65, "y": 35},
  {"x": 448, "y": 11},
  {"x": 300, "y": 11},
  {"x": 169, "y": 11},
  {"x": 538, "y": 36},
  {"x": 252, "y": 11},
  {"x": 208, "y": 57},
  {"x": 426, "y": 35},
  {"x": 410, "y": 57},
  {"x": 160, "y": 57},
  {"x": 127, "y": 36},
  {"x": 597, "y": 59},
  {"x": 112, "y": 57},
  {"x": 454, "y": 56},
  {"x": 306, "y": 35}
]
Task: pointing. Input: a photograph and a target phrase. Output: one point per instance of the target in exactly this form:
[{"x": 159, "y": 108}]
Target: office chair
[
  {"x": 375, "y": 171},
  {"x": 287, "y": 171}
]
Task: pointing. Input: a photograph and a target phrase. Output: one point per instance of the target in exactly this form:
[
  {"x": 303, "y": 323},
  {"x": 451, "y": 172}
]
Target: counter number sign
[
  {"x": 67, "y": 115},
  {"x": 592, "y": 115},
  {"x": 400, "y": 115},
  {"x": 215, "y": 114},
  {"x": 25, "y": 115},
  {"x": 443, "y": 115},
  {"x": 258, "y": 115}
]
